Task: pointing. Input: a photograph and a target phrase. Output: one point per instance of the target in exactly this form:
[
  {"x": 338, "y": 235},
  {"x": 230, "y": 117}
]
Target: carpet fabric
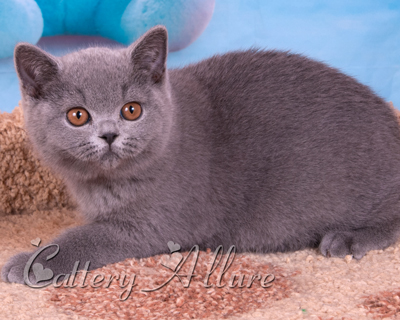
[
  {"x": 179, "y": 298},
  {"x": 299, "y": 285}
]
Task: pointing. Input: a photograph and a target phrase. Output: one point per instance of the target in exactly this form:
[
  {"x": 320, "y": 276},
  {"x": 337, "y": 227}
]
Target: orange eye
[
  {"x": 131, "y": 111},
  {"x": 78, "y": 116}
]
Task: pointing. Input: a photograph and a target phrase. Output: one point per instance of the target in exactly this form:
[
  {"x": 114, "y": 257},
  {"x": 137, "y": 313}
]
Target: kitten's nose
[{"x": 109, "y": 137}]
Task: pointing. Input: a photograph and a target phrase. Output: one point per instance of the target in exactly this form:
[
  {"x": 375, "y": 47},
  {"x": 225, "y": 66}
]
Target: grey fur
[{"x": 266, "y": 150}]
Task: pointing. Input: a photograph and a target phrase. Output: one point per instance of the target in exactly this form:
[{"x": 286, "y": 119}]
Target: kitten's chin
[{"x": 109, "y": 160}]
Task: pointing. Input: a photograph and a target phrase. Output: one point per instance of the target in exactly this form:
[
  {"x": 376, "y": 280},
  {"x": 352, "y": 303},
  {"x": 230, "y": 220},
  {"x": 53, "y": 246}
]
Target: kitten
[{"x": 265, "y": 150}]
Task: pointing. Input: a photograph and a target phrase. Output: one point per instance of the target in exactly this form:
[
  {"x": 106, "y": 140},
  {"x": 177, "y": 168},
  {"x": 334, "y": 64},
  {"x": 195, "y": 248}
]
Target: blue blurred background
[{"x": 360, "y": 37}]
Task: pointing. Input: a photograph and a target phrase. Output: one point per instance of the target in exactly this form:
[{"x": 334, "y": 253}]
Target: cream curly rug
[{"x": 298, "y": 285}]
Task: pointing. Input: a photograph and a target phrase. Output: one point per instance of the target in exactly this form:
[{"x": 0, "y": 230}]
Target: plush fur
[
  {"x": 269, "y": 151},
  {"x": 26, "y": 185}
]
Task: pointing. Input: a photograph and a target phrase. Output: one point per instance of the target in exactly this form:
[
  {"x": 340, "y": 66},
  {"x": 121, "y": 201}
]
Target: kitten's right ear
[
  {"x": 149, "y": 54},
  {"x": 35, "y": 68}
]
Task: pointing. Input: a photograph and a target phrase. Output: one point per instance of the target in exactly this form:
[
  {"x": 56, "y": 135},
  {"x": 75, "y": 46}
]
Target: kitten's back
[{"x": 307, "y": 146}]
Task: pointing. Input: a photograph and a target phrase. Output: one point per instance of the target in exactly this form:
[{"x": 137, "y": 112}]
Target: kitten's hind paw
[
  {"x": 357, "y": 242},
  {"x": 337, "y": 244}
]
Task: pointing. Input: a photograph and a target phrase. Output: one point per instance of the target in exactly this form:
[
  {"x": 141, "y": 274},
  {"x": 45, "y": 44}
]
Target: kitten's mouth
[{"x": 109, "y": 154}]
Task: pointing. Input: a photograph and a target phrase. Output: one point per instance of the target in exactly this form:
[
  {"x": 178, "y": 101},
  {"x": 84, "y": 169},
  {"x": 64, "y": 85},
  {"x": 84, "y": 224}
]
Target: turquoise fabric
[{"x": 360, "y": 37}]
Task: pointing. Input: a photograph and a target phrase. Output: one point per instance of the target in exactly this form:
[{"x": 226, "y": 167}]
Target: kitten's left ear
[
  {"x": 149, "y": 54},
  {"x": 35, "y": 68}
]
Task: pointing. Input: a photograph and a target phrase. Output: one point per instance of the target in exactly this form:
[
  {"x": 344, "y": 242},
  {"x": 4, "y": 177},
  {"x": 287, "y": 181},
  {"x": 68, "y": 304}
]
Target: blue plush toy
[
  {"x": 20, "y": 20},
  {"x": 120, "y": 20}
]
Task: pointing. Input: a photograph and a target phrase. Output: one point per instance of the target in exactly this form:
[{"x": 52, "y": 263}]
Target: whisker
[
  {"x": 129, "y": 144},
  {"x": 92, "y": 153},
  {"x": 83, "y": 153},
  {"x": 127, "y": 151},
  {"x": 77, "y": 146}
]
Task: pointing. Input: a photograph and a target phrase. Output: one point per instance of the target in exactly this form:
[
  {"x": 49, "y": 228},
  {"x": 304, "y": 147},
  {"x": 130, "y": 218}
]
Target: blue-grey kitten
[{"x": 265, "y": 150}]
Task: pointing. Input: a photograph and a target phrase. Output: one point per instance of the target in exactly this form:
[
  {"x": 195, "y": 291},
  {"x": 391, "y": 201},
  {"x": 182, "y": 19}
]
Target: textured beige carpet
[{"x": 34, "y": 203}]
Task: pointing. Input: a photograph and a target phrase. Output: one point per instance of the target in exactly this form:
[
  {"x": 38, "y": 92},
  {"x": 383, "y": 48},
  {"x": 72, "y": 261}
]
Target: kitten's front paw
[
  {"x": 13, "y": 270},
  {"x": 34, "y": 268}
]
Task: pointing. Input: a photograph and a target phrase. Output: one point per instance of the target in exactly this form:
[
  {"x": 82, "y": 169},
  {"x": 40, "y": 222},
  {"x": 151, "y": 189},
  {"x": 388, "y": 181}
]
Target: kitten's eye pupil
[
  {"x": 79, "y": 114},
  {"x": 131, "y": 111}
]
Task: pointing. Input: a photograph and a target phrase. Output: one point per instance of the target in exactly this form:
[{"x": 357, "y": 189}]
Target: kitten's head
[{"x": 97, "y": 111}]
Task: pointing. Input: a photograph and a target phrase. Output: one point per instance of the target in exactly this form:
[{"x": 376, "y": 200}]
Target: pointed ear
[
  {"x": 35, "y": 68},
  {"x": 149, "y": 54}
]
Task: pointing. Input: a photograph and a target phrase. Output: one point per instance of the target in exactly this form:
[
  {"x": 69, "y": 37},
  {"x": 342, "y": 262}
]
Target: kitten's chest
[{"x": 101, "y": 199}]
